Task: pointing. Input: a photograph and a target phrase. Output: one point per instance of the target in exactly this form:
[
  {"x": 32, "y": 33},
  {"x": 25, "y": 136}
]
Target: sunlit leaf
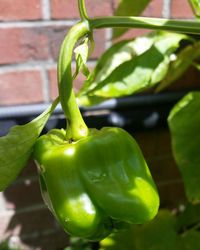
[
  {"x": 196, "y": 65},
  {"x": 130, "y": 77},
  {"x": 112, "y": 58},
  {"x": 116, "y": 55},
  {"x": 130, "y": 67},
  {"x": 81, "y": 56},
  {"x": 195, "y": 6}
]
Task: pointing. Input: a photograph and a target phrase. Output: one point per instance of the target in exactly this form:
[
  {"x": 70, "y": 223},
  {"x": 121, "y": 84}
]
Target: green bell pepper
[{"x": 93, "y": 184}]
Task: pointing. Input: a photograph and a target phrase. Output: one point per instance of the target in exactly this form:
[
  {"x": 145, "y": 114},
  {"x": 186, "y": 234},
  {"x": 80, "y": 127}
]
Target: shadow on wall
[
  {"x": 27, "y": 221},
  {"x": 24, "y": 219}
]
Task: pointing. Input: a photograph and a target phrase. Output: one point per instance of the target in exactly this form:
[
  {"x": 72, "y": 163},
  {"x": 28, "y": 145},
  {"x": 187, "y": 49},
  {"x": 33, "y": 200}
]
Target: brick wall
[{"x": 31, "y": 32}]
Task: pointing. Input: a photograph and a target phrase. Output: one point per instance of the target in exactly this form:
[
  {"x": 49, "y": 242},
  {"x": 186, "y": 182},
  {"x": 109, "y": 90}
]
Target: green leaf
[
  {"x": 122, "y": 52},
  {"x": 150, "y": 235},
  {"x": 107, "y": 62},
  {"x": 4, "y": 245},
  {"x": 158, "y": 234},
  {"x": 130, "y": 77},
  {"x": 189, "y": 217},
  {"x": 196, "y": 65},
  {"x": 184, "y": 124},
  {"x": 182, "y": 62},
  {"x": 129, "y": 8},
  {"x": 81, "y": 56},
  {"x": 195, "y": 4},
  {"x": 122, "y": 240},
  {"x": 140, "y": 68},
  {"x": 131, "y": 51},
  {"x": 161, "y": 233},
  {"x": 113, "y": 57},
  {"x": 189, "y": 241},
  {"x": 16, "y": 147},
  {"x": 79, "y": 244},
  {"x": 88, "y": 101}
]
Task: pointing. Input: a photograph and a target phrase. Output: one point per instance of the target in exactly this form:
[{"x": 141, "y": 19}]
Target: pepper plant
[{"x": 96, "y": 182}]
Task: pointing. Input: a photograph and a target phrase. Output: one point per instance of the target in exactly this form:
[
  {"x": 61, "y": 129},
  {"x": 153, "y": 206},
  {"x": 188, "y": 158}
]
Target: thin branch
[{"x": 82, "y": 10}]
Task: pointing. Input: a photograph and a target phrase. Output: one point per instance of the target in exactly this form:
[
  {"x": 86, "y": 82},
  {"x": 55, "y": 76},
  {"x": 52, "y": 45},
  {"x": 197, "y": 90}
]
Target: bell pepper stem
[{"x": 76, "y": 127}]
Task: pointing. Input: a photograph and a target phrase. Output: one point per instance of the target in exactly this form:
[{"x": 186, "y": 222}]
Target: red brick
[
  {"x": 100, "y": 39},
  {"x": 172, "y": 194},
  {"x": 20, "y": 10},
  {"x": 31, "y": 221},
  {"x": 187, "y": 81},
  {"x": 20, "y": 87},
  {"x": 4, "y": 218},
  {"x": 164, "y": 169},
  {"x": 132, "y": 33},
  {"x": 156, "y": 147},
  {"x": 35, "y": 228},
  {"x": 29, "y": 171},
  {"x": 50, "y": 240},
  {"x": 40, "y": 43},
  {"x": 45, "y": 240},
  {"x": 181, "y": 9},
  {"x": 53, "y": 86},
  {"x": 56, "y": 35},
  {"x": 16, "y": 195},
  {"x": 30, "y": 43},
  {"x": 61, "y": 9},
  {"x": 22, "y": 44},
  {"x": 52, "y": 74},
  {"x": 154, "y": 9},
  {"x": 115, "y": 3},
  {"x": 154, "y": 143},
  {"x": 99, "y": 8}
]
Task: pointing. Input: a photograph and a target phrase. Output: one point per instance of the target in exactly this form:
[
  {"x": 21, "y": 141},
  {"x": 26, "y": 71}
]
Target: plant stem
[
  {"x": 76, "y": 127},
  {"x": 82, "y": 10},
  {"x": 195, "y": 227},
  {"x": 189, "y": 26}
]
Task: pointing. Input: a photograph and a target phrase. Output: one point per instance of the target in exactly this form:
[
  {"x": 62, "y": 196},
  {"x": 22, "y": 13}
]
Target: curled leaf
[{"x": 16, "y": 147}]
